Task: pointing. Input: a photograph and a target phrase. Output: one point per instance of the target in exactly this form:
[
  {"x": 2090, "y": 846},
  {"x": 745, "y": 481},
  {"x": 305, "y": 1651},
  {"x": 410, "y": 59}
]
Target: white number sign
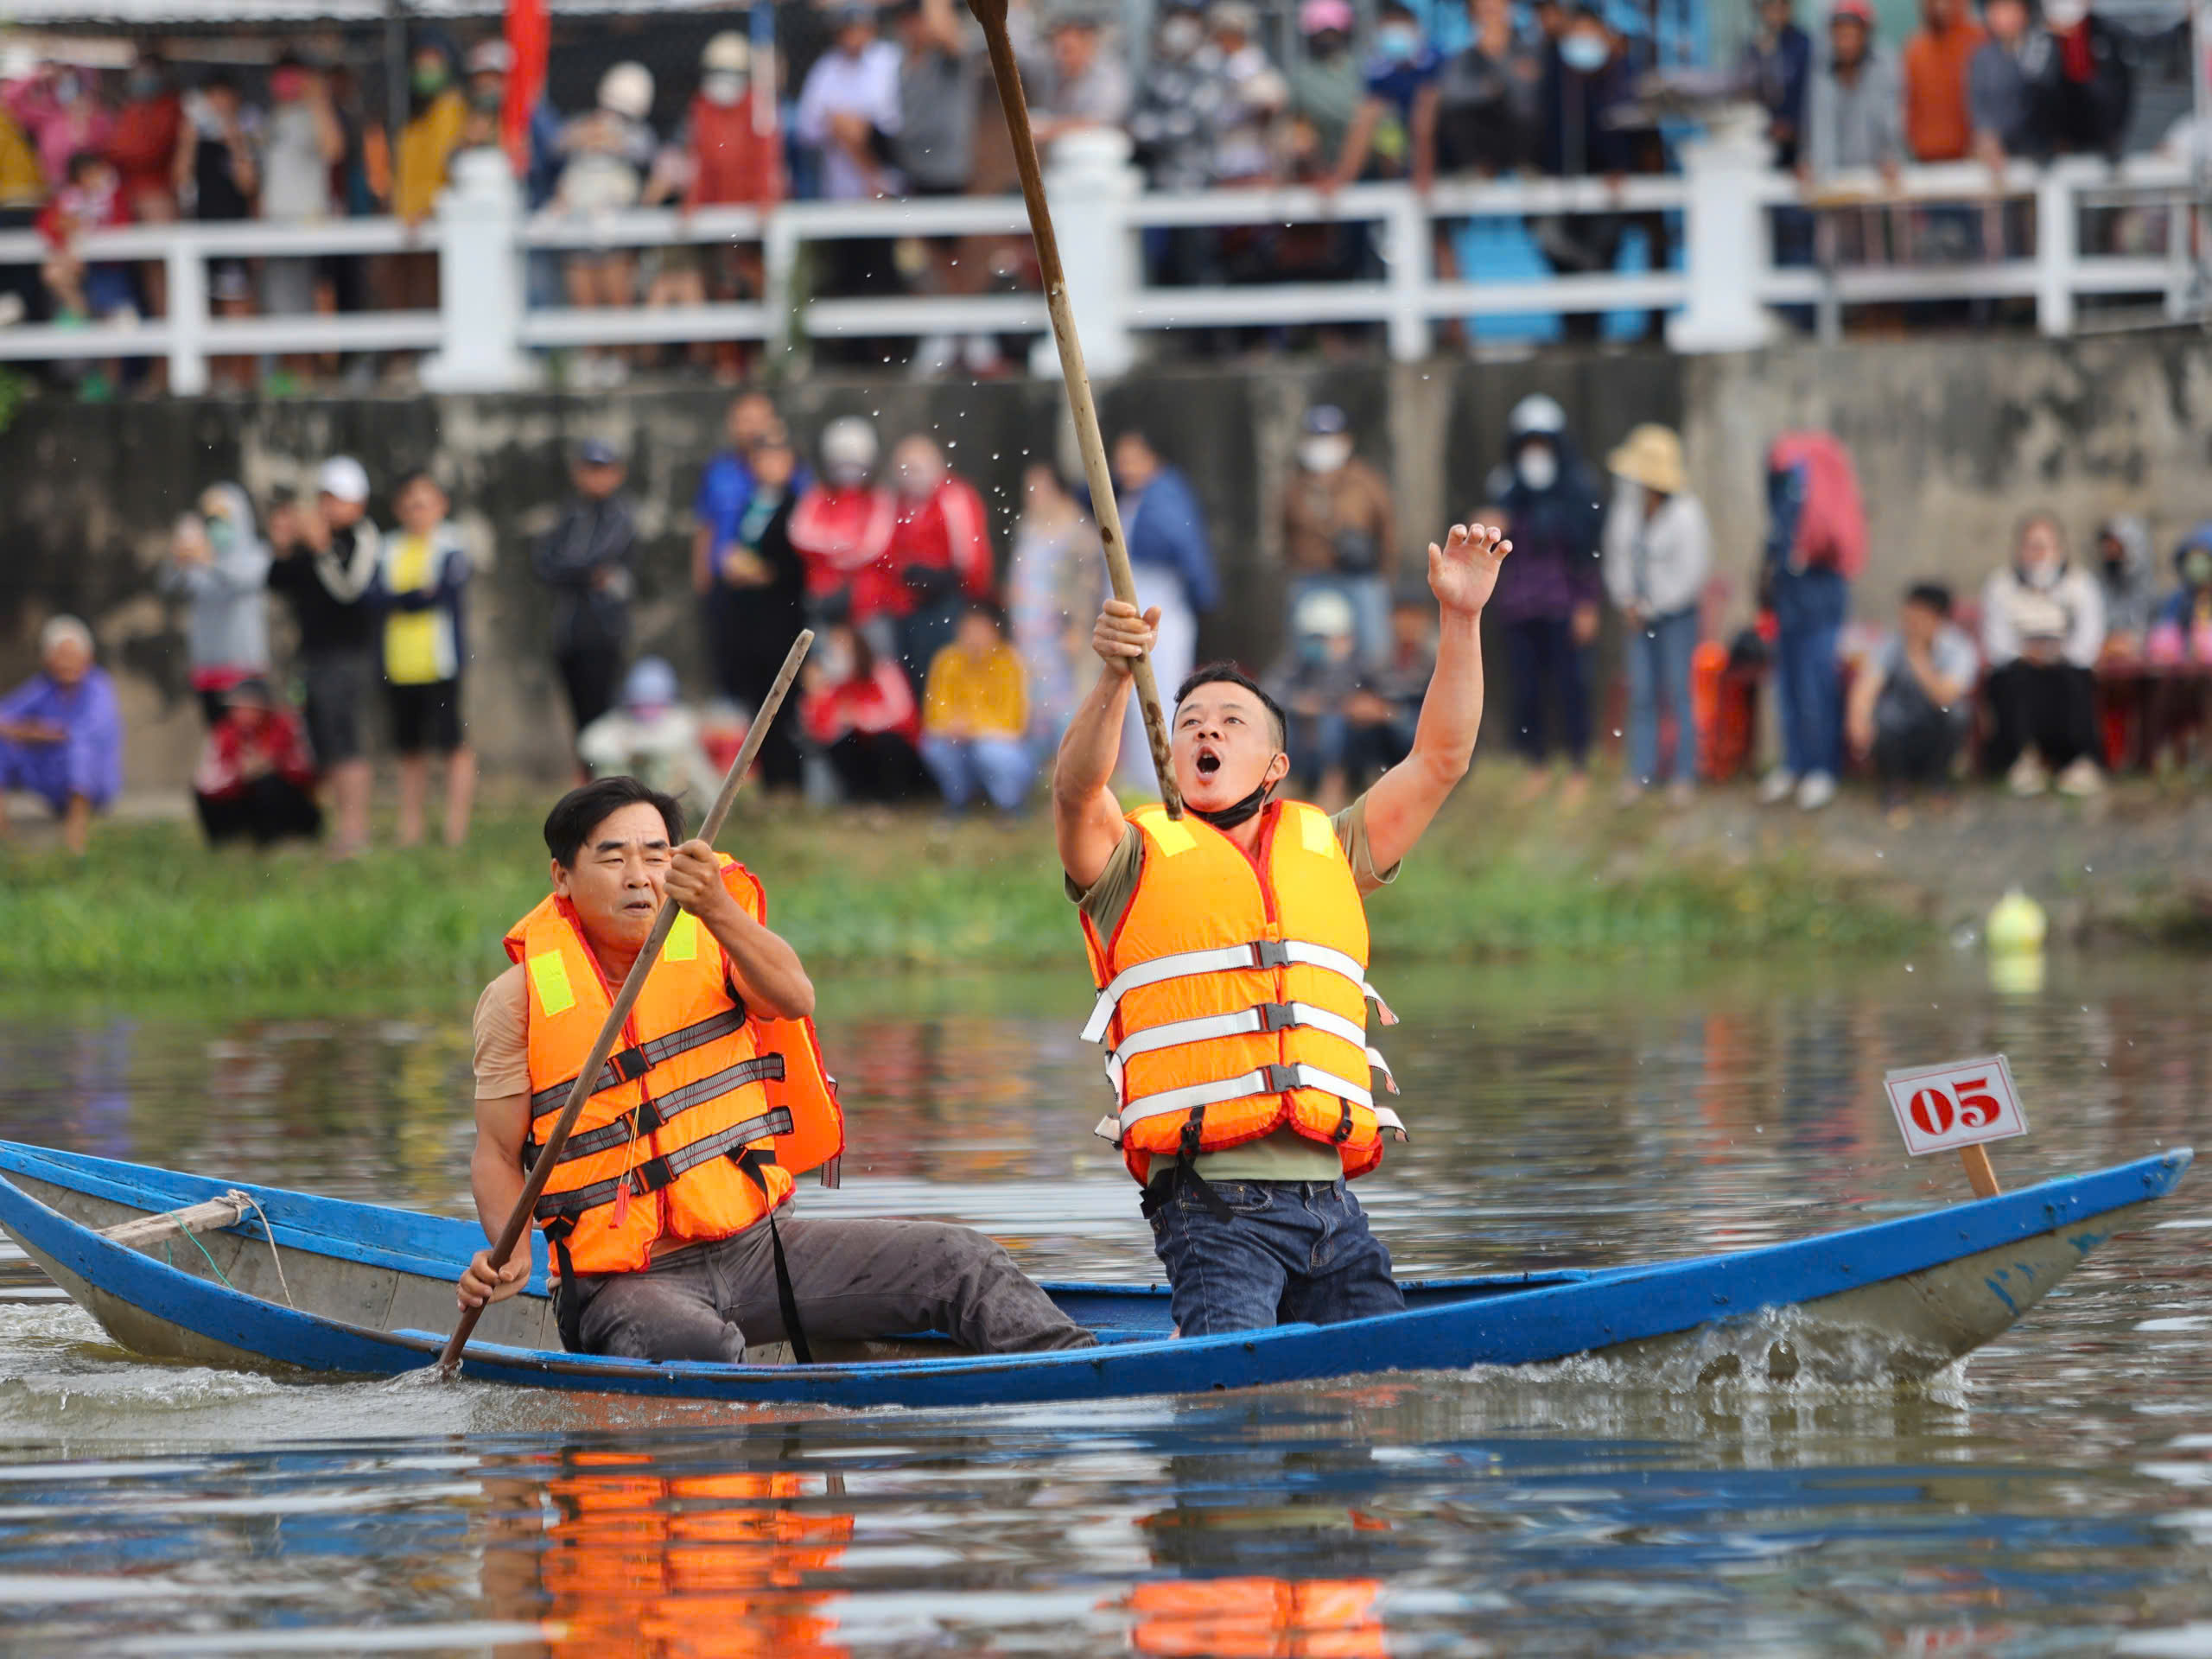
[{"x": 1940, "y": 1107}]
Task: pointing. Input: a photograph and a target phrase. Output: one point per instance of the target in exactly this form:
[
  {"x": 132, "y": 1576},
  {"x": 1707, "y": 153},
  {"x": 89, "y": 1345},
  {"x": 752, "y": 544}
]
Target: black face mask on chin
[{"x": 1228, "y": 818}]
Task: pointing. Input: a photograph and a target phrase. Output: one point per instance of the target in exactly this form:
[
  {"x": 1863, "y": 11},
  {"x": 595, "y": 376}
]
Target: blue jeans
[
  {"x": 1291, "y": 1253},
  {"x": 1547, "y": 666},
  {"x": 1659, "y": 673},
  {"x": 1808, "y": 606},
  {"x": 998, "y": 767}
]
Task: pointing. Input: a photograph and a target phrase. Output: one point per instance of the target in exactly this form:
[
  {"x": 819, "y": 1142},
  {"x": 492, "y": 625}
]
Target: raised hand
[
  {"x": 1122, "y": 636},
  {"x": 1463, "y": 573}
]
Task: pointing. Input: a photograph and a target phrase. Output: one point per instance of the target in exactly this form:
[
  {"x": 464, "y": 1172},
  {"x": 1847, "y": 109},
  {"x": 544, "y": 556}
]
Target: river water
[{"x": 2053, "y": 1495}]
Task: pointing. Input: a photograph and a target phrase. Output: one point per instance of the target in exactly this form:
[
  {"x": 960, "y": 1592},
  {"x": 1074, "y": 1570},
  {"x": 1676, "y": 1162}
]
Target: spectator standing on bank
[
  {"x": 1912, "y": 700},
  {"x": 1777, "y": 70},
  {"x": 421, "y": 161},
  {"x": 143, "y": 143},
  {"x": 60, "y": 110},
  {"x": 605, "y": 153},
  {"x": 1486, "y": 94},
  {"x": 2000, "y": 102},
  {"x": 588, "y": 559},
  {"x": 61, "y": 733},
  {"x": 1055, "y": 580},
  {"x": 425, "y": 645},
  {"x": 1938, "y": 119},
  {"x": 734, "y": 145},
  {"x": 841, "y": 528},
  {"x": 940, "y": 550},
  {"x": 1853, "y": 109},
  {"x": 1658, "y": 554},
  {"x": 756, "y": 594},
  {"x": 1314, "y": 682},
  {"x": 1548, "y": 593},
  {"x": 2127, "y": 574},
  {"x": 1326, "y": 89},
  {"x": 1588, "y": 81},
  {"x": 1816, "y": 545},
  {"x": 650, "y": 735},
  {"x": 849, "y": 114},
  {"x": 1381, "y": 716},
  {"x": 327, "y": 557},
  {"x": 1171, "y": 556},
  {"x": 217, "y": 564},
  {"x": 1253, "y": 97},
  {"x": 1339, "y": 532},
  {"x": 860, "y": 708},
  {"x": 975, "y": 716},
  {"x": 935, "y": 153},
  {"x": 256, "y": 776},
  {"x": 2084, "y": 83},
  {"x": 218, "y": 171},
  {"x": 1170, "y": 121},
  {"x": 1401, "y": 100},
  {"x": 2043, "y": 626},
  {"x": 301, "y": 147},
  {"x": 1086, "y": 86}
]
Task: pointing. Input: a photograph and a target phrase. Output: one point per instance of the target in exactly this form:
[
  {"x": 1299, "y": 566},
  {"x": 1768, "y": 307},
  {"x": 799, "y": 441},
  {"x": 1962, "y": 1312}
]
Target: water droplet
[{"x": 1908, "y": 967}]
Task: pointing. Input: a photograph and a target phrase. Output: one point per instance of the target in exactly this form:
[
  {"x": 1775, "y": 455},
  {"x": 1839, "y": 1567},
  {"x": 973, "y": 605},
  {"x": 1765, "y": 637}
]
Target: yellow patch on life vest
[
  {"x": 1316, "y": 832},
  {"x": 683, "y": 940},
  {"x": 549, "y": 976},
  {"x": 1166, "y": 834}
]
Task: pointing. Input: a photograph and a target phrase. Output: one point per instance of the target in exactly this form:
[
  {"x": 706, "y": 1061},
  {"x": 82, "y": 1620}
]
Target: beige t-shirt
[
  {"x": 1285, "y": 1155},
  {"x": 501, "y": 1030}
]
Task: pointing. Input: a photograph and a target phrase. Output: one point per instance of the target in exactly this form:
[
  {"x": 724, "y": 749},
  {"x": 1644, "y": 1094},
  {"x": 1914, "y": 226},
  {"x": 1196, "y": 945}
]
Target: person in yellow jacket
[
  {"x": 1229, "y": 949},
  {"x": 662, "y": 1207}
]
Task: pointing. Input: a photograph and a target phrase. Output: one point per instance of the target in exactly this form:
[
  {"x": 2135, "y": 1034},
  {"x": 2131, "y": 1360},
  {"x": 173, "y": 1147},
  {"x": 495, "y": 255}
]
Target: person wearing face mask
[
  {"x": 148, "y": 127},
  {"x": 842, "y": 531},
  {"x": 1170, "y": 559},
  {"x": 217, "y": 564},
  {"x": 300, "y": 144},
  {"x": 2082, "y": 83},
  {"x": 420, "y": 160},
  {"x": 1327, "y": 87},
  {"x": 1319, "y": 674},
  {"x": 1400, "y": 101},
  {"x": 1587, "y": 82},
  {"x": 2042, "y": 625},
  {"x": 1339, "y": 532},
  {"x": 1170, "y": 124},
  {"x": 1815, "y": 548},
  {"x": 732, "y": 152},
  {"x": 1547, "y": 600},
  {"x": 940, "y": 548},
  {"x": 1230, "y": 948},
  {"x": 61, "y": 112},
  {"x": 2182, "y": 630}
]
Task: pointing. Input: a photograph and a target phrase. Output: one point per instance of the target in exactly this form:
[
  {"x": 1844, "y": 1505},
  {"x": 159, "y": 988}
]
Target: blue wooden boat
[{"x": 353, "y": 1289}]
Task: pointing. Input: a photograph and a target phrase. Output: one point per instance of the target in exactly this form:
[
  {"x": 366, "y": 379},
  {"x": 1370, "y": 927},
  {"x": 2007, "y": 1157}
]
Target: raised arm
[
  {"x": 1087, "y": 821},
  {"x": 770, "y": 976},
  {"x": 1462, "y": 573}
]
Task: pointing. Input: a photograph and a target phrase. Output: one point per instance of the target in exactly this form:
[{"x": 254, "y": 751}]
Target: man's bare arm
[
  {"x": 1087, "y": 821},
  {"x": 769, "y": 975},
  {"x": 495, "y": 1175},
  {"x": 1462, "y": 573}
]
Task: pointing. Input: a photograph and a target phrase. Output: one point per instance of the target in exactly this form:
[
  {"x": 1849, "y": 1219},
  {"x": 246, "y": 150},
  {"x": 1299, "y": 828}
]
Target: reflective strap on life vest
[
  {"x": 1228, "y": 958},
  {"x": 651, "y": 1115},
  {"x": 1268, "y": 1080},
  {"x": 654, "y": 1173},
  {"x": 1265, "y": 1017},
  {"x": 633, "y": 1062}
]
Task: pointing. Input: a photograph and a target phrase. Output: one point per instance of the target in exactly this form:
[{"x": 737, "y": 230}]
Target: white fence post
[
  {"x": 188, "y": 317},
  {"x": 1727, "y": 246},
  {"x": 2056, "y": 238},
  {"x": 1091, "y": 184},
  {"x": 1411, "y": 242},
  {"x": 480, "y": 291},
  {"x": 779, "y": 276}
]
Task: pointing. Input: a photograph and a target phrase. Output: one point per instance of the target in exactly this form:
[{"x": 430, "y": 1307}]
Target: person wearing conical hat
[{"x": 1658, "y": 551}]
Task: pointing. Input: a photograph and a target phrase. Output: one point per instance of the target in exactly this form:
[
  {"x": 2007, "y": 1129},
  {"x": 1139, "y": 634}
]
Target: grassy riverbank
[{"x": 152, "y": 909}]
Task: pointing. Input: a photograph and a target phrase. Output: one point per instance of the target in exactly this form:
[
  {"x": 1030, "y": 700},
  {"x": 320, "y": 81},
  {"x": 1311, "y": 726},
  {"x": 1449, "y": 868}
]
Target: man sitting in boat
[
  {"x": 1230, "y": 946},
  {"x": 661, "y": 1208}
]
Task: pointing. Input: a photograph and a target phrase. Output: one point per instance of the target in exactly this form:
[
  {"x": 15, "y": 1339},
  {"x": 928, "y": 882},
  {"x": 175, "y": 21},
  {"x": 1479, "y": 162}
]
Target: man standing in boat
[
  {"x": 661, "y": 1210},
  {"x": 1231, "y": 950}
]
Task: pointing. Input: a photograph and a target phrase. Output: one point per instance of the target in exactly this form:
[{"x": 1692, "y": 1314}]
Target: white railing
[{"x": 1719, "y": 296}]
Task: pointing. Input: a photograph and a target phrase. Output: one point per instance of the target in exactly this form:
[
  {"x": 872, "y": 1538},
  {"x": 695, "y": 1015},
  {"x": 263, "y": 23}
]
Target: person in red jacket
[
  {"x": 255, "y": 776},
  {"x": 940, "y": 550},
  {"x": 842, "y": 530},
  {"x": 859, "y": 707}
]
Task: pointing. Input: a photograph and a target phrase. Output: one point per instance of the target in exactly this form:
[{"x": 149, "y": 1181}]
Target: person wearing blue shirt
[
  {"x": 61, "y": 735},
  {"x": 1171, "y": 556},
  {"x": 1398, "y": 115}
]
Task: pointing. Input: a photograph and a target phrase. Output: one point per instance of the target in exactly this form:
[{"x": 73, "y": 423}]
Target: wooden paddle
[
  {"x": 533, "y": 1186},
  {"x": 991, "y": 14}
]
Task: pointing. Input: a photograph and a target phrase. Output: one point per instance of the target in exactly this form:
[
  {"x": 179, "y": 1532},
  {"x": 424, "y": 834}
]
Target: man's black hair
[
  {"x": 1930, "y": 595},
  {"x": 84, "y": 162},
  {"x": 580, "y": 811},
  {"x": 1396, "y": 9},
  {"x": 1227, "y": 673},
  {"x": 414, "y": 475}
]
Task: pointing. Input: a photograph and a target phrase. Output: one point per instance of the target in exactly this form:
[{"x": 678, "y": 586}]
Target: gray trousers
[{"x": 852, "y": 1279}]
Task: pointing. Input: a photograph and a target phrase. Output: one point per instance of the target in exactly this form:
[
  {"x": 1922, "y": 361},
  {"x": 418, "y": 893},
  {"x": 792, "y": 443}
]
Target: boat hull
[{"x": 1901, "y": 1298}]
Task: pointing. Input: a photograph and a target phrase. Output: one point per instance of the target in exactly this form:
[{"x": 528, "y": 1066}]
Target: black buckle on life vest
[
  {"x": 630, "y": 1065},
  {"x": 652, "y": 1175},
  {"x": 1276, "y": 1016},
  {"x": 1270, "y": 953},
  {"x": 1282, "y": 1079},
  {"x": 1344, "y": 1121}
]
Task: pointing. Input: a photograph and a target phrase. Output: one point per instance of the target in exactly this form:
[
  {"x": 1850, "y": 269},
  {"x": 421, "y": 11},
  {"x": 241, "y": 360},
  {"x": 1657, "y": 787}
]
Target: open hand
[
  {"x": 1463, "y": 573},
  {"x": 482, "y": 1283},
  {"x": 1122, "y": 636}
]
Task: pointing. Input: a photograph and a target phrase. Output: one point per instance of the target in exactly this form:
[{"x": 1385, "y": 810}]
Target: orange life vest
[
  {"x": 702, "y": 1118},
  {"x": 1233, "y": 996}
]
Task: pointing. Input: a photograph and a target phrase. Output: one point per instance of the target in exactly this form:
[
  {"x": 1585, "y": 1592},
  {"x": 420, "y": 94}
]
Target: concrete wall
[{"x": 1954, "y": 438}]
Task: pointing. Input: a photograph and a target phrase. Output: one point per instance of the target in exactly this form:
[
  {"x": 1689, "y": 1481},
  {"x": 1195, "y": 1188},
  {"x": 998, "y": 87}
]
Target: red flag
[{"x": 530, "y": 33}]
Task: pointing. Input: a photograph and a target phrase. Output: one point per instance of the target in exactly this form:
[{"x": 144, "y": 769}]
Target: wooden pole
[
  {"x": 991, "y": 14},
  {"x": 1983, "y": 1178},
  {"x": 533, "y": 1186}
]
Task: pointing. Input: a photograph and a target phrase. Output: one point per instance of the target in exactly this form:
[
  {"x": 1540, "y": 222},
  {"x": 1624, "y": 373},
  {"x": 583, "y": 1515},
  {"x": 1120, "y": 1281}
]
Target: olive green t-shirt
[{"x": 1285, "y": 1155}]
